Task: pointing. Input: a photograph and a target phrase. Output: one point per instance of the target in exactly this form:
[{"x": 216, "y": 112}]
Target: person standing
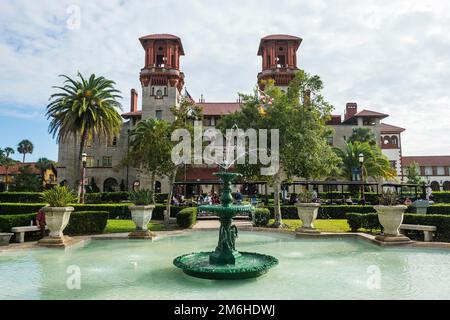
[{"x": 40, "y": 221}]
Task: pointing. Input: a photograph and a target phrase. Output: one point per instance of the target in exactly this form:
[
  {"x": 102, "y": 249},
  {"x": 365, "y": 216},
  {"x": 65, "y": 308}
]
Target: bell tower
[
  {"x": 279, "y": 58},
  {"x": 161, "y": 78}
]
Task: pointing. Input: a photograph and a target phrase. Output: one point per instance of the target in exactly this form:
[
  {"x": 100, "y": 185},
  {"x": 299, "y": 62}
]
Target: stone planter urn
[
  {"x": 141, "y": 216},
  {"x": 5, "y": 238},
  {"x": 391, "y": 217},
  {"x": 307, "y": 212},
  {"x": 57, "y": 219}
]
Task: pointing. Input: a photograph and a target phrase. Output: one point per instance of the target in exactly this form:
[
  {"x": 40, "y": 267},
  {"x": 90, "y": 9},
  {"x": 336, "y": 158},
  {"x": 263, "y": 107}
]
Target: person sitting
[
  {"x": 238, "y": 197},
  {"x": 40, "y": 221},
  {"x": 349, "y": 200}
]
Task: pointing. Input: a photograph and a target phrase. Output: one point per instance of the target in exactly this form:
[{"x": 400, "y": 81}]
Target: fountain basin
[{"x": 248, "y": 265}]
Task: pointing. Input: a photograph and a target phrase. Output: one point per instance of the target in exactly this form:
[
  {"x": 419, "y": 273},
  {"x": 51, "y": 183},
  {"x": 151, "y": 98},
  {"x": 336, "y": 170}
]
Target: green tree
[
  {"x": 7, "y": 162},
  {"x": 184, "y": 114},
  {"x": 83, "y": 109},
  {"x": 27, "y": 181},
  {"x": 149, "y": 148},
  {"x": 376, "y": 165},
  {"x": 362, "y": 134},
  {"x": 300, "y": 115},
  {"x": 24, "y": 147},
  {"x": 413, "y": 173}
]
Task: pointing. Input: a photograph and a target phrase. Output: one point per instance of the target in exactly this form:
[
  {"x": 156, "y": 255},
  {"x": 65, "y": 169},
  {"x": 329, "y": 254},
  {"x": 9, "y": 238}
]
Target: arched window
[
  {"x": 435, "y": 186},
  {"x": 386, "y": 140},
  {"x": 157, "y": 187},
  {"x": 446, "y": 186},
  {"x": 394, "y": 140},
  {"x": 110, "y": 185}
]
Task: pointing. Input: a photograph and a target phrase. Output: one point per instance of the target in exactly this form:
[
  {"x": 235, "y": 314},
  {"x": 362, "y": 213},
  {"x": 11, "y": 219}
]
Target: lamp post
[
  {"x": 83, "y": 161},
  {"x": 361, "y": 164}
]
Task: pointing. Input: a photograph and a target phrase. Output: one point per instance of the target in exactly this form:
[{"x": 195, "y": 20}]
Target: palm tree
[
  {"x": 376, "y": 165},
  {"x": 24, "y": 147},
  {"x": 7, "y": 162},
  {"x": 362, "y": 134},
  {"x": 84, "y": 108}
]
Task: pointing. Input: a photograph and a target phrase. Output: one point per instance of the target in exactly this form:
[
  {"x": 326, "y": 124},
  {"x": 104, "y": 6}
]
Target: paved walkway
[{"x": 215, "y": 224}]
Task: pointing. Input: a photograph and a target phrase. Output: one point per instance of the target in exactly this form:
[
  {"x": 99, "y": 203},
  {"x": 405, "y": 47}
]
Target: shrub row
[
  {"x": 115, "y": 211},
  {"x": 187, "y": 217},
  {"x": 87, "y": 222},
  {"x": 325, "y": 211},
  {"x": 441, "y": 196},
  {"x": 370, "y": 221},
  {"x": 81, "y": 222},
  {"x": 101, "y": 197}
]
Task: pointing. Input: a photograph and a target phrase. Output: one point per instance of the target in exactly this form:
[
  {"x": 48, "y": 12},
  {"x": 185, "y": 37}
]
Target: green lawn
[
  {"x": 122, "y": 226},
  {"x": 332, "y": 225}
]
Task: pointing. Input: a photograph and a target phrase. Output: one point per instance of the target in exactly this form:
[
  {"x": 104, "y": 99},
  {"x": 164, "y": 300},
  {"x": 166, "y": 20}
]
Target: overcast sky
[{"x": 388, "y": 56}]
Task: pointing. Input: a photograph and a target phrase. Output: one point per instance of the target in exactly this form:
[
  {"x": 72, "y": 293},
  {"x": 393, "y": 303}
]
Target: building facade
[
  {"x": 161, "y": 88},
  {"x": 434, "y": 170}
]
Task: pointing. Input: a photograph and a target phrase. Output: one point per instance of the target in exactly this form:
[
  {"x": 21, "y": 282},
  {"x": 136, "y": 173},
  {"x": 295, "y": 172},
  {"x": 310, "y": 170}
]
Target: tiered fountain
[{"x": 225, "y": 262}]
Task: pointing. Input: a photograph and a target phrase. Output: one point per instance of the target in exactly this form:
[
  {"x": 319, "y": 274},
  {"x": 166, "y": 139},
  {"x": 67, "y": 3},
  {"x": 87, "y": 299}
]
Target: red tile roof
[
  {"x": 162, "y": 36},
  {"x": 388, "y": 128},
  {"x": 219, "y": 108},
  {"x": 15, "y": 168},
  {"x": 369, "y": 113},
  {"x": 427, "y": 160},
  {"x": 278, "y": 37}
]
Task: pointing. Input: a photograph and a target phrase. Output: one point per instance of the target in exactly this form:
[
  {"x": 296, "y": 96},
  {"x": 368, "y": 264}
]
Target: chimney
[
  {"x": 134, "y": 101},
  {"x": 351, "y": 108}
]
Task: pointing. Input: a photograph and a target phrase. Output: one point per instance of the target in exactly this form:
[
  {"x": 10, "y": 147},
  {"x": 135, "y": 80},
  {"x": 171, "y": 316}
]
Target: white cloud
[{"x": 390, "y": 56}]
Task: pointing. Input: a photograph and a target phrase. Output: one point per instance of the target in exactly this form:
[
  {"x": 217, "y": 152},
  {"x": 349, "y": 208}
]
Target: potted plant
[
  {"x": 141, "y": 214},
  {"x": 390, "y": 215},
  {"x": 307, "y": 212},
  {"x": 57, "y": 215}
]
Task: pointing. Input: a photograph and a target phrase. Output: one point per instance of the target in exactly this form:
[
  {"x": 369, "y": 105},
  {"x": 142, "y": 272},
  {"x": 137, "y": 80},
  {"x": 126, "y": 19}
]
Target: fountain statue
[{"x": 225, "y": 262}]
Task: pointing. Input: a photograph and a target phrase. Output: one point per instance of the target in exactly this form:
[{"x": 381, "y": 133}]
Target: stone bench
[
  {"x": 427, "y": 230},
  {"x": 19, "y": 232}
]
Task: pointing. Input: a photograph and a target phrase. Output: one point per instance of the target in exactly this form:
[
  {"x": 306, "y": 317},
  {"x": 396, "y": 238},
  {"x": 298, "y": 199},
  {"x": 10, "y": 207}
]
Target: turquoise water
[{"x": 308, "y": 269}]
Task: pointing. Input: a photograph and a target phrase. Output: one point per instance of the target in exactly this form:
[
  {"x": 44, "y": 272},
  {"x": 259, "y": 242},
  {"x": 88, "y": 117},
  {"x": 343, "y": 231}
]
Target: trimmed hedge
[
  {"x": 92, "y": 198},
  {"x": 187, "y": 217},
  {"x": 81, "y": 222},
  {"x": 441, "y": 196},
  {"x": 261, "y": 217},
  {"x": 115, "y": 211},
  {"x": 20, "y": 197},
  {"x": 86, "y": 222},
  {"x": 370, "y": 221},
  {"x": 17, "y": 220},
  {"x": 325, "y": 211}
]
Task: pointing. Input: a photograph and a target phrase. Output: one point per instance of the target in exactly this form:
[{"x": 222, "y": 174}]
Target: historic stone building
[{"x": 162, "y": 83}]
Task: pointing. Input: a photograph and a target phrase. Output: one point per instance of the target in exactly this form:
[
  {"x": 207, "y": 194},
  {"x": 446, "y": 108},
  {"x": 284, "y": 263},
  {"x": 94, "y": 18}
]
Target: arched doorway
[
  {"x": 446, "y": 186},
  {"x": 110, "y": 185},
  {"x": 435, "y": 186},
  {"x": 157, "y": 187}
]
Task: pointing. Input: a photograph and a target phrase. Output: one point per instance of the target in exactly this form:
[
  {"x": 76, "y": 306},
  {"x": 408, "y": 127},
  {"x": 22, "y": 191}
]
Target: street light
[
  {"x": 361, "y": 164},
  {"x": 83, "y": 161}
]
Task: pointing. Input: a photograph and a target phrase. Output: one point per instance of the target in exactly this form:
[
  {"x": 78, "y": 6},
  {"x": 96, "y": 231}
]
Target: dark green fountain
[{"x": 225, "y": 263}]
